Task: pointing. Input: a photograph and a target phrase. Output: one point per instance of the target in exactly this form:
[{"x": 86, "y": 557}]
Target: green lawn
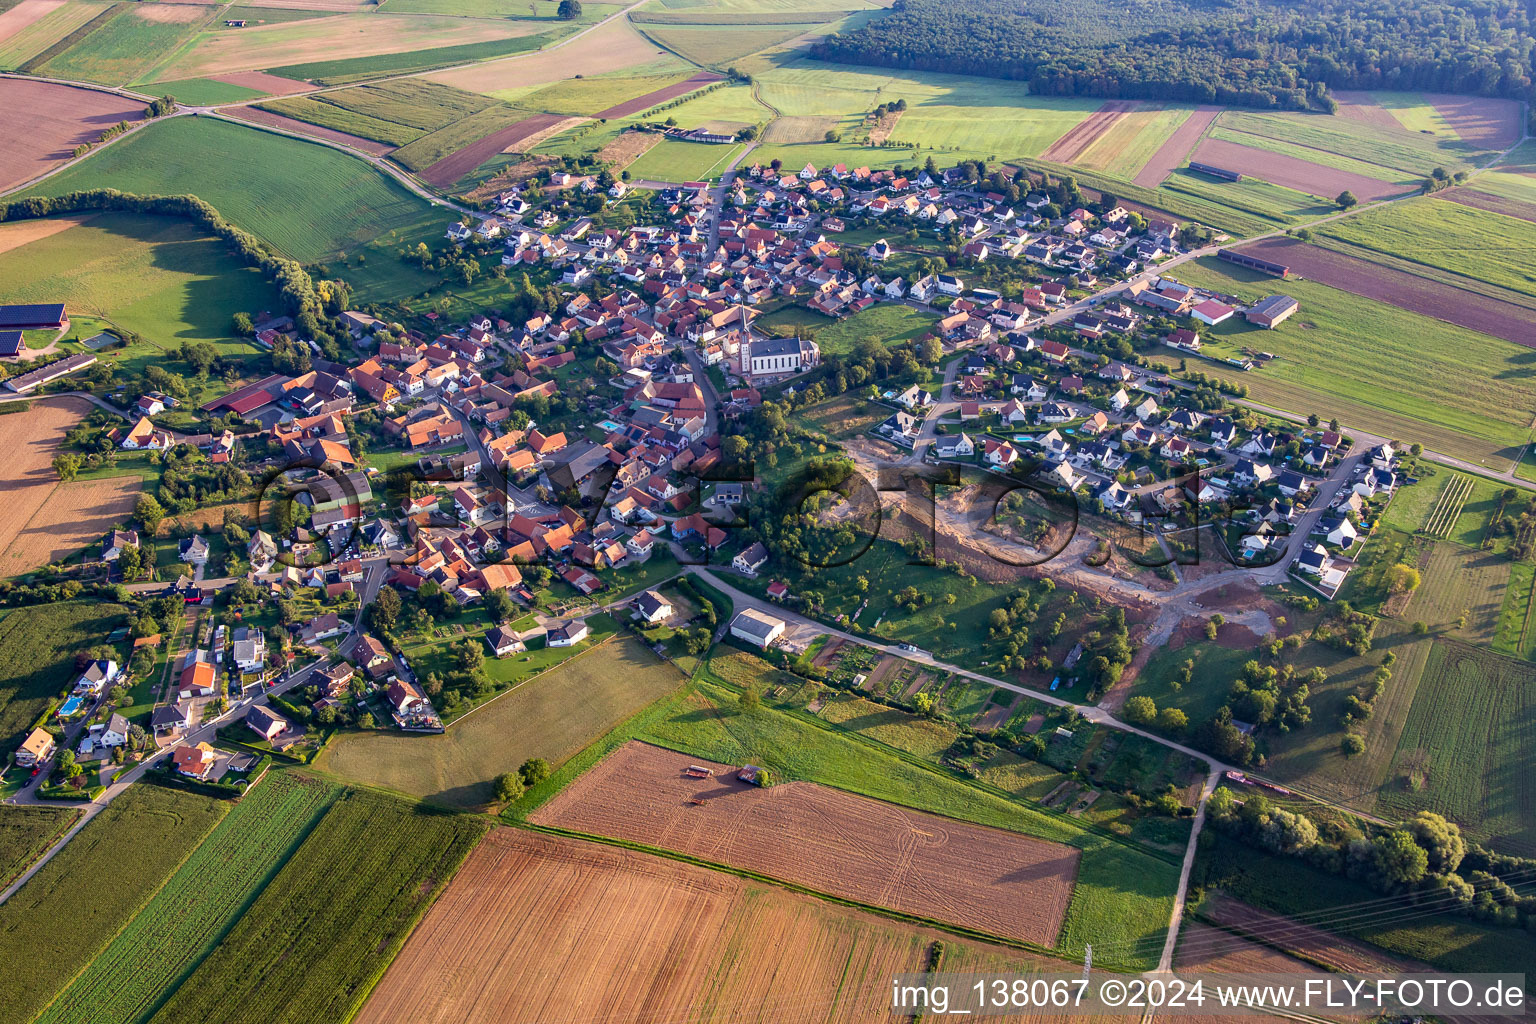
[
  {"x": 1390, "y": 368},
  {"x": 158, "y": 277},
  {"x": 309, "y": 201},
  {"x": 1479, "y": 244},
  {"x": 670, "y": 160}
]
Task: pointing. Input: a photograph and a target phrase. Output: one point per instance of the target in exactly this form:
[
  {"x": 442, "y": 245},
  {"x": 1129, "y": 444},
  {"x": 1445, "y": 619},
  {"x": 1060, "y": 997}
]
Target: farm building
[
  {"x": 32, "y": 317},
  {"x": 33, "y": 379},
  {"x": 11, "y": 344},
  {"x": 757, "y": 628},
  {"x": 1242, "y": 259},
  {"x": 1212, "y": 312},
  {"x": 1271, "y": 310},
  {"x": 1214, "y": 171}
]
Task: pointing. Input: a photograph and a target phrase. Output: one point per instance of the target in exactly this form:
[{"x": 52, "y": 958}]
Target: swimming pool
[
  {"x": 609, "y": 425},
  {"x": 70, "y": 706}
]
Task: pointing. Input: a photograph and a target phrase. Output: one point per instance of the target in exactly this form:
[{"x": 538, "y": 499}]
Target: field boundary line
[{"x": 897, "y": 915}]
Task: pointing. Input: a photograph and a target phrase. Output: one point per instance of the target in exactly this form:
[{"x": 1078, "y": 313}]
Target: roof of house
[{"x": 757, "y": 624}]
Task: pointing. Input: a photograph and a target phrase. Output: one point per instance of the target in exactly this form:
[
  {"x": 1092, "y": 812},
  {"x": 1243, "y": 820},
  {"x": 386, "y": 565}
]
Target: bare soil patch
[
  {"x": 1301, "y": 175},
  {"x": 650, "y": 99},
  {"x": 1399, "y": 288},
  {"x": 1082, "y": 135},
  {"x": 842, "y": 844},
  {"x": 589, "y": 933},
  {"x": 73, "y": 515},
  {"x": 1484, "y": 201},
  {"x": 1175, "y": 151},
  {"x": 43, "y": 123},
  {"x": 22, "y": 232},
  {"x": 1362, "y": 107},
  {"x": 314, "y": 131},
  {"x": 24, "y": 14},
  {"x": 627, "y": 148},
  {"x": 460, "y": 162},
  {"x": 277, "y": 85},
  {"x": 1480, "y": 120},
  {"x": 28, "y": 509}
]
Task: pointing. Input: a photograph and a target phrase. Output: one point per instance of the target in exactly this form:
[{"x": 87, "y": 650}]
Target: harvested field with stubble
[
  {"x": 1067, "y": 148},
  {"x": 1279, "y": 169},
  {"x": 74, "y": 515},
  {"x": 591, "y": 932},
  {"x": 31, "y": 440},
  {"x": 1175, "y": 151},
  {"x": 612, "y": 47},
  {"x": 1399, "y": 288},
  {"x": 43, "y": 123},
  {"x": 845, "y": 845}
]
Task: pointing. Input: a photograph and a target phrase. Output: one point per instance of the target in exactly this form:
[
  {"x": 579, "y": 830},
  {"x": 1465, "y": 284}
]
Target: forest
[{"x": 1251, "y": 53}]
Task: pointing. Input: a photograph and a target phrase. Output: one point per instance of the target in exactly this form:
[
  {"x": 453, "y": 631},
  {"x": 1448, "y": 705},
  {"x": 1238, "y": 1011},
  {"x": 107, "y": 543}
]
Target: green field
[
  {"x": 670, "y": 160},
  {"x": 1313, "y": 155},
  {"x": 25, "y": 832},
  {"x": 1130, "y": 142},
  {"x": 1397, "y": 373},
  {"x": 1272, "y": 202},
  {"x": 1519, "y": 187},
  {"x": 1395, "y": 155},
  {"x": 1122, "y": 896},
  {"x": 204, "y": 92},
  {"x": 309, "y": 201},
  {"x": 718, "y": 45},
  {"x": 123, "y": 47},
  {"x": 186, "y": 919},
  {"x": 1467, "y": 740},
  {"x": 1479, "y": 244},
  {"x": 72, "y": 908},
  {"x": 354, "y": 69},
  {"x": 589, "y": 96},
  {"x": 52, "y": 28},
  {"x": 430, "y": 148},
  {"x": 1513, "y": 635},
  {"x": 38, "y": 644},
  {"x": 313, "y": 111},
  {"x": 411, "y": 102},
  {"x": 1415, "y": 113},
  {"x": 312, "y": 945},
  {"x": 733, "y": 104},
  {"x": 552, "y": 716},
  {"x": 884, "y": 322},
  {"x": 158, "y": 277},
  {"x": 843, "y": 417}
]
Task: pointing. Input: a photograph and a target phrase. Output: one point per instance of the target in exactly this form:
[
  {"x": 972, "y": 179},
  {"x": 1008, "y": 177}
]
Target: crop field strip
[
  {"x": 1442, "y": 518},
  {"x": 196, "y": 906},
  {"x": 90, "y": 889},
  {"x": 26, "y": 833},
  {"x": 315, "y": 940}
]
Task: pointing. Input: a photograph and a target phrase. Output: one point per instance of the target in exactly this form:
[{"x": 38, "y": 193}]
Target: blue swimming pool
[
  {"x": 609, "y": 425},
  {"x": 70, "y": 706}
]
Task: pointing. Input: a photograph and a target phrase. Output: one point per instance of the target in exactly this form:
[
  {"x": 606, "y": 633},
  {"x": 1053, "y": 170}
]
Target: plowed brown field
[
  {"x": 1173, "y": 153},
  {"x": 1480, "y": 120},
  {"x": 1082, "y": 135},
  {"x": 1301, "y": 175},
  {"x": 42, "y": 123},
  {"x": 460, "y": 162},
  {"x": 828, "y": 840},
  {"x": 1399, "y": 288},
  {"x": 1313, "y": 943},
  {"x": 277, "y": 85},
  {"x": 1362, "y": 106},
  {"x": 590, "y": 933}
]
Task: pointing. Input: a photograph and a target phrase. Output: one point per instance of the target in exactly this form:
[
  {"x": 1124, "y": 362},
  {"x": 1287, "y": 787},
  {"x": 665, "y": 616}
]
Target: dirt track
[
  {"x": 1399, "y": 288},
  {"x": 831, "y": 841},
  {"x": 1301, "y": 175},
  {"x": 1173, "y": 153},
  {"x": 1082, "y": 135}
]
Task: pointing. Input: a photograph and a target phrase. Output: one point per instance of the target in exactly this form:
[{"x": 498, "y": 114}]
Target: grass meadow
[
  {"x": 125, "y": 46},
  {"x": 305, "y": 199},
  {"x": 551, "y": 716},
  {"x": 1479, "y": 244},
  {"x": 670, "y": 160},
  {"x": 1395, "y": 155},
  {"x": 38, "y": 644},
  {"x": 202, "y": 92},
  {"x": 1382, "y": 368},
  {"x": 158, "y": 277}
]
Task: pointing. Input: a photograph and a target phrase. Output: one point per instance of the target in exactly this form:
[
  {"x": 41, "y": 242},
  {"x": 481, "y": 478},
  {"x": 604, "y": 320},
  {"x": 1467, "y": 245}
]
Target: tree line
[{"x": 1239, "y": 54}]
